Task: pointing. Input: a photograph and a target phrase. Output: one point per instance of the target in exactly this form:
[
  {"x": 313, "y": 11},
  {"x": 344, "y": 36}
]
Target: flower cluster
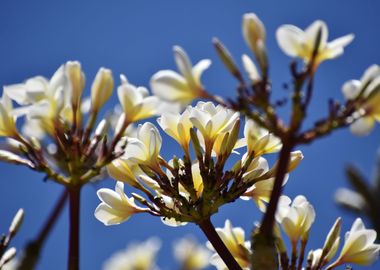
[{"x": 180, "y": 190}]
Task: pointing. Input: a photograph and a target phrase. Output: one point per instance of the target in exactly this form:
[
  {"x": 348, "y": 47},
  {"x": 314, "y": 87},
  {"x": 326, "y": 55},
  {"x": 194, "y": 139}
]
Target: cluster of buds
[
  {"x": 188, "y": 190},
  {"x": 6, "y": 253}
]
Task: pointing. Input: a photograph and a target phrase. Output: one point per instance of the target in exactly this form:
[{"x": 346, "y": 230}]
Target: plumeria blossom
[
  {"x": 296, "y": 219},
  {"x": 177, "y": 126},
  {"x": 234, "y": 239},
  {"x": 115, "y": 207},
  {"x": 367, "y": 88},
  {"x": 136, "y": 102},
  {"x": 359, "y": 247},
  {"x": 300, "y": 43},
  {"x": 212, "y": 120},
  {"x": 180, "y": 88},
  {"x": 139, "y": 256},
  {"x": 7, "y": 120},
  {"x": 261, "y": 191},
  {"x": 259, "y": 141},
  {"x": 145, "y": 148},
  {"x": 124, "y": 170},
  {"x": 47, "y": 100},
  {"x": 190, "y": 254}
]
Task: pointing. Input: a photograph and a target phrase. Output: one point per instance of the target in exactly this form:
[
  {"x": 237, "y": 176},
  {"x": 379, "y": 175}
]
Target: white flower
[
  {"x": 145, "y": 148},
  {"x": 190, "y": 254},
  {"x": 212, "y": 120},
  {"x": 359, "y": 247},
  {"x": 177, "y": 126},
  {"x": 181, "y": 88},
  {"x": 234, "y": 239},
  {"x": 298, "y": 43},
  {"x": 124, "y": 170},
  {"x": 139, "y": 256},
  {"x": 297, "y": 218},
  {"x": 369, "y": 88},
  {"x": 115, "y": 207},
  {"x": 261, "y": 191},
  {"x": 259, "y": 140},
  {"x": 136, "y": 102}
]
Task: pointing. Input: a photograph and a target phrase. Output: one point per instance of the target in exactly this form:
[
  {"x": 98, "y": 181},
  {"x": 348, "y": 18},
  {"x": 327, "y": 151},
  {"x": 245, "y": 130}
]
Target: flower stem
[
  {"x": 74, "y": 209},
  {"x": 32, "y": 250},
  {"x": 211, "y": 234},
  {"x": 268, "y": 220}
]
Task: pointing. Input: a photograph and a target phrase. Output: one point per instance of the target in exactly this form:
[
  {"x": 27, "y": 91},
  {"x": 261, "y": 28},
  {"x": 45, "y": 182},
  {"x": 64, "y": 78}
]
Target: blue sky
[{"x": 135, "y": 38}]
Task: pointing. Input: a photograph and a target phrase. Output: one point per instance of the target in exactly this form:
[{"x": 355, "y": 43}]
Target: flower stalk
[
  {"x": 209, "y": 230},
  {"x": 74, "y": 214}
]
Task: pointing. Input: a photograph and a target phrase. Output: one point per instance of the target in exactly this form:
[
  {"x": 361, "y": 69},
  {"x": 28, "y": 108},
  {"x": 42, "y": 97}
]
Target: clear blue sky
[{"x": 135, "y": 38}]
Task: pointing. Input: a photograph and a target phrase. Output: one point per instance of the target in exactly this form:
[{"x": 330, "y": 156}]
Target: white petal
[
  {"x": 351, "y": 89},
  {"x": 290, "y": 38},
  {"x": 362, "y": 126}
]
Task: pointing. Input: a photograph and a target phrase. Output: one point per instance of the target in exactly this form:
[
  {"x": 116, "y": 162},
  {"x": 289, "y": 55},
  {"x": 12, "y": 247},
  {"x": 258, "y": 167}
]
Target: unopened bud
[
  {"x": 102, "y": 128},
  {"x": 227, "y": 58},
  {"x": 16, "y": 222},
  {"x": 101, "y": 88},
  {"x": 253, "y": 31},
  {"x": 8, "y": 255},
  {"x": 77, "y": 80},
  {"x": 250, "y": 68}
]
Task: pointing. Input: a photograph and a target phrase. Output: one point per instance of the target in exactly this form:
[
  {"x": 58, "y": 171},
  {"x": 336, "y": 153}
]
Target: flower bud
[
  {"x": 101, "y": 88},
  {"x": 253, "y": 31},
  {"x": 77, "y": 80},
  {"x": 16, "y": 222},
  {"x": 8, "y": 255},
  {"x": 227, "y": 59}
]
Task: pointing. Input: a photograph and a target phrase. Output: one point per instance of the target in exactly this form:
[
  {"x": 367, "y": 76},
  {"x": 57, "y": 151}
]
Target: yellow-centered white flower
[
  {"x": 177, "y": 126},
  {"x": 296, "y": 219},
  {"x": 368, "y": 87},
  {"x": 115, "y": 207},
  {"x": 212, "y": 120},
  {"x": 101, "y": 88},
  {"x": 300, "y": 43},
  {"x": 137, "y": 256},
  {"x": 190, "y": 254},
  {"x": 180, "y": 88},
  {"x": 261, "y": 191},
  {"x": 124, "y": 170},
  {"x": 259, "y": 140},
  {"x": 359, "y": 247},
  {"x": 146, "y": 147},
  {"x": 136, "y": 102},
  {"x": 234, "y": 239}
]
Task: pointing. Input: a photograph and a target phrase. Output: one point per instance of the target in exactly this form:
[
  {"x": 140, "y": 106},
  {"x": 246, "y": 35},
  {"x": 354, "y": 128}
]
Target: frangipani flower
[
  {"x": 145, "y": 148},
  {"x": 298, "y": 43},
  {"x": 177, "y": 126},
  {"x": 234, "y": 239},
  {"x": 136, "y": 102},
  {"x": 212, "y": 120},
  {"x": 181, "y": 88},
  {"x": 297, "y": 218},
  {"x": 368, "y": 87},
  {"x": 7, "y": 120},
  {"x": 259, "y": 140},
  {"x": 261, "y": 191},
  {"x": 359, "y": 247},
  {"x": 190, "y": 254},
  {"x": 116, "y": 207},
  {"x": 124, "y": 170},
  {"x": 139, "y": 256}
]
